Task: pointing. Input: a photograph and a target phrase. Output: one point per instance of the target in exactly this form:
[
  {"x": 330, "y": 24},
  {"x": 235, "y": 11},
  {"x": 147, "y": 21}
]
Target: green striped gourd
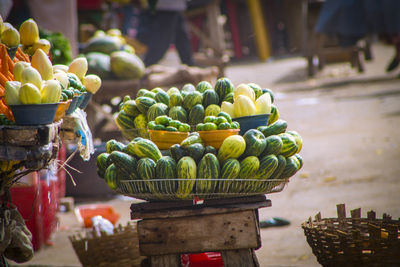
[
  {"x": 255, "y": 142},
  {"x": 156, "y": 90},
  {"x": 188, "y": 87},
  {"x": 228, "y": 98},
  {"x": 196, "y": 114},
  {"x": 271, "y": 94},
  {"x": 126, "y": 164},
  {"x": 111, "y": 177},
  {"x": 230, "y": 170},
  {"x": 268, "y": 165},
  {"x": 256, "y": 88},
  {"x": 140, "y": 123},
  {"x": 158, "y": 109},
  {"x": 173, "y": 90},
  {"x": 146, "y": 148},
  {"x": 186, "y": 170},
  {"x": 195, "y": 151},
  {"x": 274, "y": 145},
  {"x": 274, "y": 116},
  {"x": 124, "y": 121},
  {"x": 114, "y": 145},
  {"x": 249, "y": 167},
  {"x": 130, "y": 108},
  {"x": 193, "y": 138},
  {"x": 210, "y": 97},
  {"x": 178, "y": 113},
  {"x": 275, "y": 128},
  {"x": 291, "y": 167},
  {"x": 150, "y": 95},
  {"x": 289, "y": 147},
  {"x": 141, "y": 92},
  {"x": 232, "y": 147},
  {"x": 299, "y": 140},
  {"x": 101, "y": 162},
  {"x": 223, "y": 86},
  {"x": 275, "y": 175},
  {"x": 212, "y": 110},
  {"x": 175, "y": 99},
  {"x": 300, "y": 159},
  {"x": 208, "y": 169},
  {"x": 166, "y": 169},
  {"x": 203, "y": 86},
  {"x": 143, "y": 103},
  {"x": 146, "y": 168},
  {"x": 192, "y": 99},
  {"x": 162, "y": 97}
]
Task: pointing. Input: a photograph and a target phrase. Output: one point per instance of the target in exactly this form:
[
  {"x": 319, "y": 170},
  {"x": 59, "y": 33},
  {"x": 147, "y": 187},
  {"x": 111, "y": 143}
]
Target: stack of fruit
[
  {"x": 249, "y": 164},
  {"x": 165, "y": 123},
  {"x": 110, "y": 57}
]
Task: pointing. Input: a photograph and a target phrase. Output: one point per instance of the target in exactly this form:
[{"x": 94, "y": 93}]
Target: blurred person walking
[{"x": 160, "y": 28}]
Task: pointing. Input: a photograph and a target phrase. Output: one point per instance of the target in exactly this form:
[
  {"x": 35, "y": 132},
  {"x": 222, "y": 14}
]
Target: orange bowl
[
  {"x": 61, "y": 109},
  {"x": 85, "y": 213},
  {"x": 166, "y": 139},
  {"x": 216, "y": 137}
]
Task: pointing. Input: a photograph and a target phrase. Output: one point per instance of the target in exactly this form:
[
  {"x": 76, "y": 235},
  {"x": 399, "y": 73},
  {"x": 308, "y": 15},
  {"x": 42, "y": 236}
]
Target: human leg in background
[
  {"x": 396, "y": 59},
  {"x": 182, "y": 40}
]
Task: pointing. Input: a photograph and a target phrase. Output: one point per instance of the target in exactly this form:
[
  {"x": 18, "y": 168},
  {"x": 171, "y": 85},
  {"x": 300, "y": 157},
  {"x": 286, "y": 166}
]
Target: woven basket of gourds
[
  {"x": 120, "y": 249},
  {"x": 354, "y": 241}
]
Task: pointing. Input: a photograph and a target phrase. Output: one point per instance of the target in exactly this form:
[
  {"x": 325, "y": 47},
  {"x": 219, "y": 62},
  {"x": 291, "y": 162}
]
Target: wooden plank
[
  {"x": 239, "y": 258},
  {"x": 214, "y": 232},
  {"x": 173, "y": 260}
]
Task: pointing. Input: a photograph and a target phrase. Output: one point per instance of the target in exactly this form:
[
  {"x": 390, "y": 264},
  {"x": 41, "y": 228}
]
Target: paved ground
[{"x": 349, "y": 123}]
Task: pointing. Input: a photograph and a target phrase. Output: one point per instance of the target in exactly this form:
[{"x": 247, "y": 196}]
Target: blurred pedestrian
[
  {"x": 352, "y": 20},
  {"x": 160, "y": 28}
]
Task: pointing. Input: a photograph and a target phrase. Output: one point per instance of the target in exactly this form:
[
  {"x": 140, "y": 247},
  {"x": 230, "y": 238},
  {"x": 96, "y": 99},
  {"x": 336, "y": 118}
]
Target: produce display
[
  {"x": 165, "y": 123},
  {"x": 110, "y": 57},
  {"x": 35, "y": 80}
]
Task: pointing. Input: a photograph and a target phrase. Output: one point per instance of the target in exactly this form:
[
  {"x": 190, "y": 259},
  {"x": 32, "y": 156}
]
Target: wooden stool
[{"x": 229, "y": 226}]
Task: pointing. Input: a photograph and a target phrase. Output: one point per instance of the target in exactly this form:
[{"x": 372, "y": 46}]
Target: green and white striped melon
[
  {"x": 274, "y": 145},
  {"x": 158, "y": 109},
  {"x": 291, "y": 167},
  {"x": 178, "y": 113},
  {"x": 223, "y": 87},
  {"x": 268, "y": 165},
  {"x": 249, "y": 167},
  {"x": 192, "y": 99},
  {"x": 196, "y": 114},
  {"x": 143, "y": 103},
  {"x": 210, "y": 97},
  {"x": 289, "y": 147},
  {"x": 186, "y": 170},
  {"x": 203, "y": 86},
  {"x": 162, "y": 97},
  {"x": 124, "y": 121},
  {"x": 175, "y": 99},
  {"x": 208, "y": 169},
  {"x": 232, "y": 147},
  {"x": 130, "y": 108},
  {"x": 145, "y": 148}
]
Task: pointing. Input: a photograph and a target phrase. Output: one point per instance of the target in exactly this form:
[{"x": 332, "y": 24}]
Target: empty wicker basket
[
  {"x": 120, "y": 249},
  {"x": 354, "y": 241}
]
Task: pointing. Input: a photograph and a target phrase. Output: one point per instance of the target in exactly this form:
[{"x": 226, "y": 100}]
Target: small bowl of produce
[
  {"x": 251, "y": 122},
  {"x": 73, "y": 105},
  {"x": 215, "y": 129},
  {"x": 34, "y": 114},
  {"x": 86, "y": 98},
  {"x": 165, "y": 132},
  {"x": 62, "y": 109}
]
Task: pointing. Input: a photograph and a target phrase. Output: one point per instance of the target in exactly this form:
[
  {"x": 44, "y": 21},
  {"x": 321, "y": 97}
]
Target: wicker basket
[
  {"x": 118, "y": 250},
  {"x": 354, "y": 241}
]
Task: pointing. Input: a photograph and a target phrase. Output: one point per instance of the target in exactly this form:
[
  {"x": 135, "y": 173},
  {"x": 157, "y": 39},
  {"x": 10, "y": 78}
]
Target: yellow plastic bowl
[
  {"x": 166, "y": 139},
  {"x": 216, "y": 137},
  {"x": 61, "y": 109}
]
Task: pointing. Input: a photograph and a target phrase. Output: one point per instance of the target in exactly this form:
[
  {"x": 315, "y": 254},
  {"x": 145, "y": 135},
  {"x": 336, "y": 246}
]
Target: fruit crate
[
  {"x": 179, "y": 189},
  {"x": 354, "y": 241}
]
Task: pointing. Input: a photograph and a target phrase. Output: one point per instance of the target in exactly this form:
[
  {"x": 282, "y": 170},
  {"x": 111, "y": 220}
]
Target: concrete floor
[{"x": 349, "y": 123}]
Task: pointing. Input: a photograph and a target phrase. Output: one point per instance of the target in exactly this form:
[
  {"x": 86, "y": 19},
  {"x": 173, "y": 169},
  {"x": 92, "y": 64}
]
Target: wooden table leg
[
  {"x": 239, "y": 258},
  {"x": 171, "y": 260}
]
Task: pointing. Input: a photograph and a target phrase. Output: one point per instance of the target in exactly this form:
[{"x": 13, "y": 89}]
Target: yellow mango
[
  {"x": 244, "y": 106},
  {"x": 92, "y": 83},
  {"x": 10, "y": 37},
  {"x": 6, "y": 26},
  {"x": 29, "y": 32},
  {"x": 228, "y": 107},
  {"x": 18, "y": 68},
  {"x": 61, "y": 67},
  {"x": 11, "y": 93},
  {"x": 62, "y": 78},
  {"x": 42, "y": 63},
  {"x": 51, "y": 92},
  {"x": 42, "y": 44},
  {"x": 29, "y": 94},
  {"x": 244, "y": 89},
  {"x": 263, "y": 104},
  {"x": 79, "y": 67},
  {"x": 114, "y": 32},
  {"x": 31, "y": 75}
]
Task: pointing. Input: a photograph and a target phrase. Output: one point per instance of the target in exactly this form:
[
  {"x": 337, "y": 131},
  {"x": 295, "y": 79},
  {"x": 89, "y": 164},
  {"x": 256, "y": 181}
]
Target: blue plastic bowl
[
  {"x": 251, "y": 122},
  {"x": 86, "y": 99},
  {"x": 73, "y": 105},
  {"x": 34, "y": 114}
]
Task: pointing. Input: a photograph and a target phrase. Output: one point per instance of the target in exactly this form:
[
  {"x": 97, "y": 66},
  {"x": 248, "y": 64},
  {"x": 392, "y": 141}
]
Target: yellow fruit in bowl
[
  {"x": 228, "y": 107},
  {"x": 42, "y": 63},
  {"x": 92, "y": 83},
  {"x": 244, "y": 106},
  {"x": 28, "y": 50},
  {"x": 6, "y": 26},
  {"x": 18, "y": 68},
  {"x": 11, "y": 93},
  {"x": 60, "y": 67},
  {"x": 31, "y": 75},
  {"x": 79, "y": 67},
  {"x": 62, "y": 78},
  {"x": 42, "y": 44},
  {"x": 29, "y": 32},
  {"x": 29, "y": 94},
  {"x": 263, "y": 104},
  {"x": 244, "y": 89},
  {"x": 10, "y": 37},
  {"x": 51, "y": 92}
]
